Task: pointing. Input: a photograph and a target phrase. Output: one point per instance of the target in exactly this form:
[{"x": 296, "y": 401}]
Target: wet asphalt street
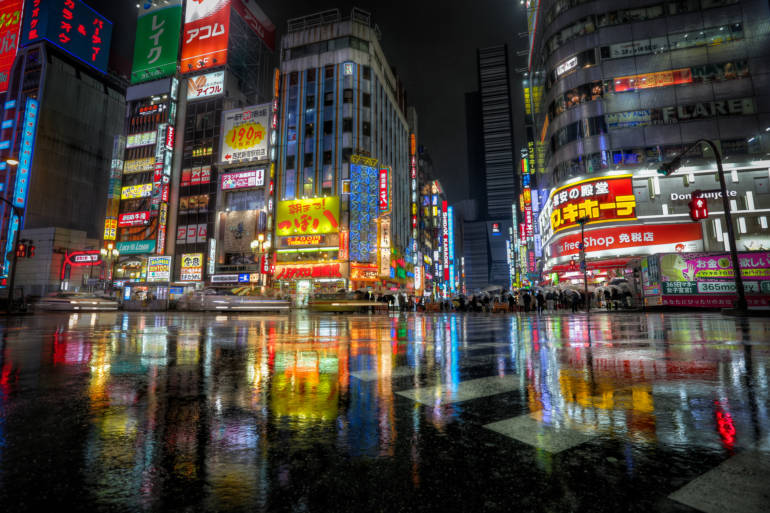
[{"x": 450, "y": 412}]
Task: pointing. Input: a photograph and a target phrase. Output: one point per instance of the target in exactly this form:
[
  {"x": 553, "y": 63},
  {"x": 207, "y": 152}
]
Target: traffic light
[
  {"x": 31, "y": 251},
  {"x": 21, "y": 250},
  {"x": 698, "y": 207}
]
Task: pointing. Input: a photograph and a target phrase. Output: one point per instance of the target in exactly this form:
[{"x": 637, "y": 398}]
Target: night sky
[{"x": 432, "y": 44}]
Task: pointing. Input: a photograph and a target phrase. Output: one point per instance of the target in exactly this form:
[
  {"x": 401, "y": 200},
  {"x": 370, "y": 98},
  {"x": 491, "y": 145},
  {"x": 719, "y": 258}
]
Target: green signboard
[
  {"x": 136, "y": 247},
  {"x": 157, "y": 41},
  {"x": 680, "y": 287}
]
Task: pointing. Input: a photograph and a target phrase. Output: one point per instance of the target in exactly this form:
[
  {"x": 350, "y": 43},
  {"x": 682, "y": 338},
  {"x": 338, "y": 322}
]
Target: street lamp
[
  {"x": 668, "y": 168},
  {"x": 582, "y": 221},
  {"x": 110, "y": 254}
]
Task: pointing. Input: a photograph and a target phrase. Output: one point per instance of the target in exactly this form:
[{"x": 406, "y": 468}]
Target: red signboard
[
  {"x": 601, "y": 200},
  {"x": 384, "y": 191},
  {"x": 10, "y": 18},
  {"x": 309, "y": 271},
  {"x": 639, "y": 236},
  {"x": 206, "y": 27},
  {"x": 133, "y": 219},
  {"x": 257, "y": 20}
]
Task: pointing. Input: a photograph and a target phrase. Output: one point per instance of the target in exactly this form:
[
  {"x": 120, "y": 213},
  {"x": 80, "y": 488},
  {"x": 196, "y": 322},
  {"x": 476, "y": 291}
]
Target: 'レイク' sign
[
  {"x": 384, "y": 191},
  {"x": 601, "y": 200},
  {"x": 133, "y": 219},
  {"x": 309, "y": 271}
]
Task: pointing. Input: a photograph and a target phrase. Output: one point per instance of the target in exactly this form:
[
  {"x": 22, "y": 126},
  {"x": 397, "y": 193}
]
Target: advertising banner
[
  {"x": 257, "y": 20},
  {"x": 136, "y": 191},
  {"x": 601, "y": 200},
  {"x": 384, "y": 191},
  {"x": 649, "y": 239},
  {"x": 133, "y": 219},
  {"x": 205, "y": 86},
  {"x": 10, "y": 23},
  {"x": 159, "y": 269},
  {"x": 206, "y": 27},
  {"x": 708, "y": 279},
  {"x": 156, "y": 47},
  {"x": 304, "y": 272},
  {"x": 26, "y": 151},
  {"x": 364, "y": 209},
  {"x": 136, "y": 247},
  {"x": 308, "y": 216},
  {"x": 245, "y": 134},
  {"x": 243, "y": 179},
  {"x": 70, "y": 25},
  {"x": 192, "y": 267}
]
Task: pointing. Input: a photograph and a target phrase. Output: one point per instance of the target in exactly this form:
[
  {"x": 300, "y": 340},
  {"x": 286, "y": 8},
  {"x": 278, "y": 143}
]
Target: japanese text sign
[
  {"x": 206, "y": 27},
  {"x": 257, "y": 20},
  {"x": 309, "y": 271},
  {"x": 136, "y": 191},
  {"x": 600, "y": 200},
  {"x": 25, "y": 153},
  {"x": 192, "y": 267},
  {"x": 384, "y": 191},
  {"x": 10, "y": 22},
  {"x": 243, "y": 179},
  {"x": 308, "y": 216},
  {"x": 205, "y": 86},
  {"x": 245, "y": 134},
  {"x": 72, "y": 26},
  {"x": 158, "y": 269},
  {"x": 157, "y": 41},
  {"x": 133, "y": 219}
]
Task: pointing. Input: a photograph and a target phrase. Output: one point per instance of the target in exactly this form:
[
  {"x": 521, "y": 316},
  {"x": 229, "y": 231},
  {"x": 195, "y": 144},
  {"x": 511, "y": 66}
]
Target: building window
[
  {"x": 329, "y": 72},
  {"x": 311, "y": 75},
  {"x": 308, "y": 159},
  {"x": 366, "y": 128},
  {"x": 366, "y": 100},
  {"x": 329, "y": 98},
  {"x": 346, "y": 153},
  {"x": 347, "y": 125},
  {"x": 327, "y": 158},
  {"x": 366, "y": 72},
  {"x": 347, "y": 96},
  {"x": 310, "y": 102},
  {"x": 309, "y": 130},
  {"x": 293, "y": 79},
  {"x": 328, "y": 127},
  {"x": 290, "y": 162}
]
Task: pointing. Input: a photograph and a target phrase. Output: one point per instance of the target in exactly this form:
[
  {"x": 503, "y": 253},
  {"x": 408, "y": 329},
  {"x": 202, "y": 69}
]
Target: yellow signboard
[
  {"x": 308, "y": 216},
  {"x": 136, "y": 191}
]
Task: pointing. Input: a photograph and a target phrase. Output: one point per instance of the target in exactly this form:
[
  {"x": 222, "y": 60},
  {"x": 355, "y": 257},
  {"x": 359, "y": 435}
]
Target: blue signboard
[
  {"x": 70, "y": 25},
  {"x": 244, "y": 278},
  {"x": 25, "y": 153},
  {"x": 136, "y": 247}
]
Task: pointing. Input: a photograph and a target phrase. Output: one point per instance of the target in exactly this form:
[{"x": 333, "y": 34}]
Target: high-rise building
[
  {"x": 497, "y": 131},
  {"x": 189, "y": 201},
  {"x": 343, "y": 189},
  {"x": 60, "y": 112},
  {"x": 615, "y": 91}
]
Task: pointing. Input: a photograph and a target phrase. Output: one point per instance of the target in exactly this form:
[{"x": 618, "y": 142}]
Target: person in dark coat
[
  {"x": 540, "y": 302},
  {"x": 527, "y": 301},
  {"x": 575, "y": 300}
]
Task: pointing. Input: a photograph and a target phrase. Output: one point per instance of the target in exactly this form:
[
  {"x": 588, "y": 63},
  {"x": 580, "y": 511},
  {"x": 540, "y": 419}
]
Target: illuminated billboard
[
  {"x": 158, "y": 269},
  {"x": 26, "y": 150},
  {"x": 308, "y": 216},
  {"x": 136, "y": 191},
  {"x": 206, "y": 27},
  {"x": 243, "y": 179},
  {"x": 245, "y": 134},
  {"x": 600, "y": 200},
  {"x": 70, "y": 25},
  {"x": 156, "y": 48},
  {"x": 10, "y": 22},
  {"x": 205, "y": 86},
  {"x": 192, "y": 267}
]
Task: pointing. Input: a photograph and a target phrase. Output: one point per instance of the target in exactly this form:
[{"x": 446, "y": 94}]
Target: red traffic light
[
  {"x": 21, "y": 250},
  {"x": 698, "y": 208},
  {"x": 31, "y": 251}
]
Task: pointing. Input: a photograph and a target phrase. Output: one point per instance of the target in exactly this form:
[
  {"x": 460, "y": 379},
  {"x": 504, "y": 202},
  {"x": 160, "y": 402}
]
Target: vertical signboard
[
  {"x": 445, "y": 238},
  {"x": 157, "y": 41},
  {"x": 72, "y": 26},
  {"x": 26, "y": 150},
  {"x": 10, "y": 22},
  {"x": 384, "y": 191},
  {"x": 206, "y": 27}
]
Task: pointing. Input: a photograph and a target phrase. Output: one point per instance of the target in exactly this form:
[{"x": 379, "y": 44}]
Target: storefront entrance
[{"x": 303, "y": 293}]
